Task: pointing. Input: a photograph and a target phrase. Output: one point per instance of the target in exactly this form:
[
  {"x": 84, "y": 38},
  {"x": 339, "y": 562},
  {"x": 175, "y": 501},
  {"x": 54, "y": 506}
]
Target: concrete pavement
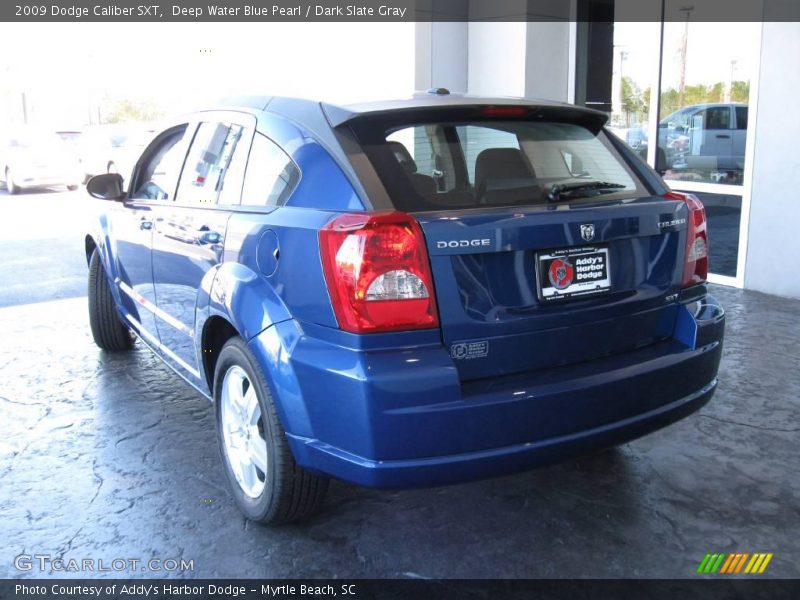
[{"x": 110, "y": 456}]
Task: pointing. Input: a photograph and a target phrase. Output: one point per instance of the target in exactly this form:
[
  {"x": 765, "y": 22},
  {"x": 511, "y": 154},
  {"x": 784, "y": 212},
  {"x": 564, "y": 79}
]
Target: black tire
[
  {"x": 11, "y": 187},
  {"x": 290, "y": 492},
  {"x": 108, "y": 330}
]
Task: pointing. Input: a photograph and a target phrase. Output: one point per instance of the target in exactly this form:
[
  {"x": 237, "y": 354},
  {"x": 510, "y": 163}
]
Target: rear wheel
[
  {"x": 108, "y": 330},
  {"x": 267, "y": 484}
]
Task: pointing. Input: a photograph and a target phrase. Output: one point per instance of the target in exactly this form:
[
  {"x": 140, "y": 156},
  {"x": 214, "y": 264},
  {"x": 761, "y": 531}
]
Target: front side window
[
  {"x": 158, "y": 176},
  {"x": 497, "y": 163},
  {"x": 207, "y": 164}
]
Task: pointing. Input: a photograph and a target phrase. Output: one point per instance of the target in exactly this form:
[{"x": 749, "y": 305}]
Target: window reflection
[
  {"x": 723, "y": 214},
  {"x": 635, "y": 52},
  {"x": 705, "y": 86}
]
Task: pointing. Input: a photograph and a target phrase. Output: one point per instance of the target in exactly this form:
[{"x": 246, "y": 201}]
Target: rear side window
[
  {"x": 741, "y": 117},
  {"x": 433, "y": 166},
  {"x": 271, "y": 175},
  {"x": 716, "y": 118}
]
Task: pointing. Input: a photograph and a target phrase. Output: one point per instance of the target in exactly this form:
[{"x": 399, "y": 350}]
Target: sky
[
  {"x": 66, "y": 67},
  {"x": 711, "y": 48}
]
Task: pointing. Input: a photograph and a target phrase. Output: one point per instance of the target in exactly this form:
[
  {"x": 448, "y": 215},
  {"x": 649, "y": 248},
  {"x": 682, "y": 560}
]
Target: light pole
[
  {"x": 729, "y": 98},
  {"x": 623, "y": 56},
  {"x": 682, "y": 84}
]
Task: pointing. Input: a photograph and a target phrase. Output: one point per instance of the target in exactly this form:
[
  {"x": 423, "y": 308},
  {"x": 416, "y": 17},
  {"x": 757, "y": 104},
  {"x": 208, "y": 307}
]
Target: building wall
[
  {"x": 530, "y": 60},
  {"x": 441, "y": 56},
  {"x": 496, "y": 59},
  {"x": 774, "y": 229}
]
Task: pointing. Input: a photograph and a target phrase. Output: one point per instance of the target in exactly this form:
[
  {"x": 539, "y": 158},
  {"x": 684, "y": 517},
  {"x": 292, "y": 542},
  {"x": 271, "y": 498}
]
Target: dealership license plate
[{"x": 572, "y": 272}]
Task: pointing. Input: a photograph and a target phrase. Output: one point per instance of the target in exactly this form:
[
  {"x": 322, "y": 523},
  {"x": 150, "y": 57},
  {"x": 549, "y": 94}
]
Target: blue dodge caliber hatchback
[{"x": 406, "y": 293}]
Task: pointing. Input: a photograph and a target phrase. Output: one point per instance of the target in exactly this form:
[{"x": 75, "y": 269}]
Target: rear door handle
[{"x": 723, "y": 136}]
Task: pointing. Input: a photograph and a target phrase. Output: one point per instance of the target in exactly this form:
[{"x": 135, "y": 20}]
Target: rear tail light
[
  {"x": 377, "y": 271},
  {"x": 695, "y": 269}
]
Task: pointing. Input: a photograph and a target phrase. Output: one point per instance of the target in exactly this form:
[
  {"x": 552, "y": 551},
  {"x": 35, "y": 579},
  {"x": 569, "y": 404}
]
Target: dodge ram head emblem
[{"x": 587, "y": 232}]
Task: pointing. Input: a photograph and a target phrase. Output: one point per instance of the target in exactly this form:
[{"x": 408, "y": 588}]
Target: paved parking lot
[{"x": 109, "y": 456}]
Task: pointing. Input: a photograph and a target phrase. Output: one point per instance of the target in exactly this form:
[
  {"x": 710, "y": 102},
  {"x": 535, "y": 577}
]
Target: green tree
[
  {"x": 634, "y": 100},
  {"x": 740, "y": 91},
  {"x": 702, "y": 94},
  {"x": 128, "y": 110}
]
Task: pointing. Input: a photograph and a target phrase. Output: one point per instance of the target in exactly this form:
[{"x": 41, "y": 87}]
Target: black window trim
[
  {"x": 145, "y": 157},
  {"x": 247, "y": 120}
]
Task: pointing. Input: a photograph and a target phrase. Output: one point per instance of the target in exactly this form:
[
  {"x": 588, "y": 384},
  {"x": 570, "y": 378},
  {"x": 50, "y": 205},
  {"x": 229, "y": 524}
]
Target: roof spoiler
[{"x": 502, "y": 110}]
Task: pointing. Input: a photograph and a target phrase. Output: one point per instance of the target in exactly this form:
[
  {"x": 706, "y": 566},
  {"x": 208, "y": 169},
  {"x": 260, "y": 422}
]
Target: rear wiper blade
[{"x": 556, "y": 190}]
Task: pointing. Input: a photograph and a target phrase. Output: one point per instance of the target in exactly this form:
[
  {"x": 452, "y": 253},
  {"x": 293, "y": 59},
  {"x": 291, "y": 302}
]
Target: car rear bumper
[
  {"x": 455, "y": 468},
  {"x": 401, "y": 418}
]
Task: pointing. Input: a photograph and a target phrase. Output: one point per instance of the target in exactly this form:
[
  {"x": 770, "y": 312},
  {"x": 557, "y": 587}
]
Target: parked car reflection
[
  {"x": 35, "y": 158},
  {"x": 112, "y": 148},
  {"x": 702, "y": 142}
]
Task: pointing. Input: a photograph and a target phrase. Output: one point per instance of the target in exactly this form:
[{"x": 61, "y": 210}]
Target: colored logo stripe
[
  {"x": 711, "y": 563},
  {"x": 758, "y": 563},
  {"x": 734, "y": 563}
]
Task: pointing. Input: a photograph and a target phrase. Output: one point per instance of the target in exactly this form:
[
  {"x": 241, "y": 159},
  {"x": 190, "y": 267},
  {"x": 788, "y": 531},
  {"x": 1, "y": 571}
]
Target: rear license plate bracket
[{"x": 568, "y": 273}]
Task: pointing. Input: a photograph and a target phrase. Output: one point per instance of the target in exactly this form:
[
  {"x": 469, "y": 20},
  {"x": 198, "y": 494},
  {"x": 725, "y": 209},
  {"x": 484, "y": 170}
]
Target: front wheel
[
  {"x": 108, "y": 330},
  {"x": 267, "y": 484},
  {"x": 11, "y": 185}
]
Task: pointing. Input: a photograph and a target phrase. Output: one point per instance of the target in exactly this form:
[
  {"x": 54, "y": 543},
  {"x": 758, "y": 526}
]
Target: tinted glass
[
  {"x": 157, "y": 179},
  {"x": 461, "y": 165},
  {"x": 207, "y": 163},
  {"x": 271, "y": 175}
]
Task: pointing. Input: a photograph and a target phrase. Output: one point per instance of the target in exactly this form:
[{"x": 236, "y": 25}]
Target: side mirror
[{"x": 107, "y": 186}]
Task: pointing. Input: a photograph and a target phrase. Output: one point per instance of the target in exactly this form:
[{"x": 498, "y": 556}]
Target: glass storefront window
[
  {"x": 635, "y": 52},
  {"x": 705, "y": 87},
  {"x": 678, "y": 92},
  {"x": 723, "y": 214}
]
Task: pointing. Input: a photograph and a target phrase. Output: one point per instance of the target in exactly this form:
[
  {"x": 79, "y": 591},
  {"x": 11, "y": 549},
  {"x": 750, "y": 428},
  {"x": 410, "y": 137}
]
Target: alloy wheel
[{"x": 243, "y": 432}]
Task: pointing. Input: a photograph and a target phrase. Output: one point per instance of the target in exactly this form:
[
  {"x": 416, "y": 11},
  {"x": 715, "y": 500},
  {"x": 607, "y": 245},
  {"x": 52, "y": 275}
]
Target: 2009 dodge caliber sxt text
[{"x": 406, "y": 293}]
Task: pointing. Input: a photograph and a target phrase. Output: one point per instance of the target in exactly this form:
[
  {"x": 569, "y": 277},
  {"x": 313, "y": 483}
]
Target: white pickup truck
[{"x": 705, "y": 136}]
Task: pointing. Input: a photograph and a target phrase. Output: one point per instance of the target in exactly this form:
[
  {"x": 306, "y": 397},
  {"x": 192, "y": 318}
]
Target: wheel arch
[
  {"x": 236, "y": 301},
  {"x": 217, "y": 330},
  {"x": 90, "y": 246},
  {"x": 232, "y": 299}
]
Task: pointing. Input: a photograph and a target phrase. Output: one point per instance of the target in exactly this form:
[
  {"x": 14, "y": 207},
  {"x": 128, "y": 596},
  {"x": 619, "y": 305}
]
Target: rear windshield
[{"x": 441, "y": 165}]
